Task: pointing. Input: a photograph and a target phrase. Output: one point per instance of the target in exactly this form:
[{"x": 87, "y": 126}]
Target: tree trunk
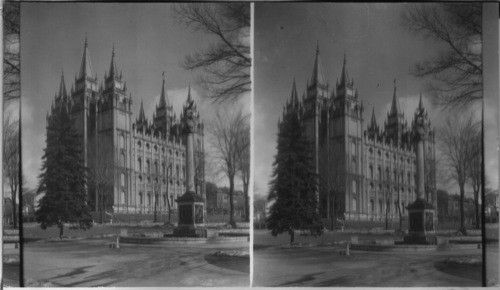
[
  {"x": 291, "y": 232},
  {"x": 476, "y": 205},
  {"x": 231, "y": 203},
  {"x": 61, "y": 229},
  {"x": 462, "y": 220},
  {"x": 247, "y": 204},
  {"x": 13, "y": 188},
  {"x": 14, "y": 212}
]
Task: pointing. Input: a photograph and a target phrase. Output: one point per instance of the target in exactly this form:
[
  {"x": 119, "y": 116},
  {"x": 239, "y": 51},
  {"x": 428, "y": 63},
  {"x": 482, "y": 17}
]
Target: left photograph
[{"x": 135, "y": 144}]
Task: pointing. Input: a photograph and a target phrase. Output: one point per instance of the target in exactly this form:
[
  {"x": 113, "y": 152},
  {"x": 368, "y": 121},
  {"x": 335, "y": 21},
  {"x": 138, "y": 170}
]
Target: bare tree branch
[
  {"x": 457, "y": 71},
  {"x": 225, "y": 63}
]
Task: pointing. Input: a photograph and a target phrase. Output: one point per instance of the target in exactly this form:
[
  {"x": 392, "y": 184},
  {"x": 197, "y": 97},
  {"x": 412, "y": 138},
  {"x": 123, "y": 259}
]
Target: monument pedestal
[
  {"x": 421, "y": 228},
  {"x": 191, "y": 216}
]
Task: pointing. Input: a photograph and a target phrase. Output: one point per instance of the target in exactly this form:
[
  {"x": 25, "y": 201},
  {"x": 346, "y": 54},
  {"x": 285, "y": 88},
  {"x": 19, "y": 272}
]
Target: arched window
[
  {"x": 163, "y": 168},
  {"x": 380, "y": 207},
  {"x": 122, "y": 179},
  {"x": 395, "y": 176},
  {"x": 156, "y": 167},
  {"x": 409, "y": 178},
  {"x": 183, "y": 171},
  {"x": 149, "y": 198},
  {"x": 140, "y": 198},
  {"x": 164, "y": 200},
  {"x": 388, "y": 206},
  {"x": 354, "y": 204},
  {"x": 147, "y": 146},
  {"x": 353, "y": 147},
  {"x": 123, "y": 197},
  {"x": 122, "y": 142},
  {"x": 177, "y": 171},
  {"x": 139, "y": 144},
  {"x": 353, "y": 186},
  {"x": 379, "y": 173},
  {"x": 353, "y": 164},
  {"x": 148, "y": 167},
  {"x": 122, "y": 159},
  {"x": 139, "y": 164},
  {"x": 403, "y": 207},
  {"x": 371, "y": 171},
  {"x": 170, "y": 169},
  {"x": 372, "y": 205},
  {"x": 387, "y": 174}
]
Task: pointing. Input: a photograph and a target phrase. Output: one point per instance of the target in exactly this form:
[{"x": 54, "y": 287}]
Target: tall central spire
[
  {"x": 317, "y": 74},
  {"x": 112, "y": 66},
  {"x": 395, "y": 108},
  {"x": 86, "y": 66},
  {"x": 163, "y": 101},
  {"x": 344, "y": 78}
]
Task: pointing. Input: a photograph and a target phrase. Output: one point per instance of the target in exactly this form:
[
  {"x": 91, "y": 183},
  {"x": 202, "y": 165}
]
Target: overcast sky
[
  {"x": 147, "y": 42},
  {"x": 378, "y": 50}
]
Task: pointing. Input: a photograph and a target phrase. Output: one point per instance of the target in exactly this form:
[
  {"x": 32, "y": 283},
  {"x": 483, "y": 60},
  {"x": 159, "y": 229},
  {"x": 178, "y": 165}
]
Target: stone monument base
[
  {"x": 191, "y": 216},
  {"x": 198, "y": 232},
  {"x": 421, "y": 229}
]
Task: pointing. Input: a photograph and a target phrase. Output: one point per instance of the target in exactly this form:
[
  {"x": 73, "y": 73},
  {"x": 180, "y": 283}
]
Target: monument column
[
  {"x": 190, "y": 162},
  {"x": 191, "y": 205},
  {"x": 420, "y": 167},
  {"x": 421, "y": 213}
]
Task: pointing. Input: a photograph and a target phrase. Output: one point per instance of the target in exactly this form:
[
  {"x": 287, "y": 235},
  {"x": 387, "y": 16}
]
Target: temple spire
[
  {"x": 344, "y": 78},
  {"x": 189, "y": 99},
  {"x": 163, "y": 101},
  {"x": 373, "y": 122},
  {"x": 395, "y": 109},
  {"x": 112, "y": 66},
  {"x": 142, "y": 116},
  {"x": 86, "y": 66},
  {"x": 62, "y": 87},
  {"x": 420, "y": 103},
  {"x": 317, "y": 74}
]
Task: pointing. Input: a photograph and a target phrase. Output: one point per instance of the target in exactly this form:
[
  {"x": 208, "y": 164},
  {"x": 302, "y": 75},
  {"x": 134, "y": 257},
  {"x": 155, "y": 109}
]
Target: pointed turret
[
  {"x": 86, "y": 66},
  {"x": 189, "y": 98},
  {"x": 142, "y": 116},
  {"x": 163, "y": 101},
  {"x": 62, "y": 87},
  {"x": 420, "y": 103},
  {"x": 344, "y": 78},
  {"x": 112, "y": 66},
  {"x": 373, "y": 123},
  {"x": 395, "y": 108},
  {"x": 317, "y": 74}
]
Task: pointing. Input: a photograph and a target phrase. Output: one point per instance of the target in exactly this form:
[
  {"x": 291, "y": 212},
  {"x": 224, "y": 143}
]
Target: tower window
[{"x": 122, "y": 179}]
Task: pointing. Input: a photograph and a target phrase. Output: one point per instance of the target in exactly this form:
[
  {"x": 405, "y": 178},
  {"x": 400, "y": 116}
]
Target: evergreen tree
[
  {"x": 63, "y": 176},
  {"x": 294, "y": 185}
]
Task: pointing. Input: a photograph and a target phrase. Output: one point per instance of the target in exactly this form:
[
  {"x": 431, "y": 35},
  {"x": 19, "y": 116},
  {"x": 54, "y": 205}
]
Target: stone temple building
[
  {"x": 365, "y": 169},
  {"x": 138, "y": 164}
]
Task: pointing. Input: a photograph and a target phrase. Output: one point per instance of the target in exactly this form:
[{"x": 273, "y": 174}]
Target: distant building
[
  {"x": 145, "y": 158},
  {"x": 370, "y": 164}
]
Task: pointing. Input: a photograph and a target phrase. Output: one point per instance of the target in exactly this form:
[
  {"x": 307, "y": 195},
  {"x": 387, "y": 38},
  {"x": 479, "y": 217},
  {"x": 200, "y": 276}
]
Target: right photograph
[{"x": 368, "y": 133}]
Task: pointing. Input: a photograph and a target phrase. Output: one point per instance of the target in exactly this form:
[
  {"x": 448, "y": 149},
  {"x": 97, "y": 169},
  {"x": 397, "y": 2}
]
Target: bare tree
[
  {"x": 476, "y": 173},
  {"x": 227, "y": 138},
  {"x": 11, "y": 55},
  {"x": 11, "y": 160},
  {"x": 457, "y": 139},
  {"x": 244, "y": 168},
  {"x": 457, "y": 70},
  {"x": 226, "y": 62}
]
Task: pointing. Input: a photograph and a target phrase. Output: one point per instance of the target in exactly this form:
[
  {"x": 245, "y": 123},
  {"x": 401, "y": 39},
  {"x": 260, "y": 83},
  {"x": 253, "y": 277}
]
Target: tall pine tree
[
  {"x": 63, "y": 176},
  {"x": 294, "y": 184}
]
